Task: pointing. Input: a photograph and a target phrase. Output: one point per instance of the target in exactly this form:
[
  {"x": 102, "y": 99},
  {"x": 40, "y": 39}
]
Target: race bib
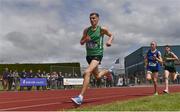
[
  {"x": 91, "y": 44},
  {"x": 170, "y": 63},
  {"x": 152, "y": 64}
]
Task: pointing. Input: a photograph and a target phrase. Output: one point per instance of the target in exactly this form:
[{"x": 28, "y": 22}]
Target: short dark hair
[
  {"x": 94, "y": 13},
  {"x": 167, "y": 46}
]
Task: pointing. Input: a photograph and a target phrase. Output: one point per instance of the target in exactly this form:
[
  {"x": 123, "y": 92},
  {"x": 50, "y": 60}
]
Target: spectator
[
  {"x": 1, "y": 79},
  {"x": 51, "y": 80},
  {"x": 98, "y": 82},
  {"x": 38, "y": 75},
  {"x": 60, "y": 80},
  {"x": 56, "y": 80},
  {"x": 104, "y": 81},
  {"x": 15, "y": 79},
  {"x": 138, "y": 81},
  {"x": 5, "y": 78},
  {"x": 93, "y": 81},
  {"x": 48, "y": 75},
  {"x": 22, "y": 75},
  {"x": 178, "y": 78},
  {"x": 44, "y": 75},
  {"x": 10, "y": 80},
  {"x": 54, "y": 77},
  {"x": 30, "y": 74},
  {"x": 109, "y": 80}
]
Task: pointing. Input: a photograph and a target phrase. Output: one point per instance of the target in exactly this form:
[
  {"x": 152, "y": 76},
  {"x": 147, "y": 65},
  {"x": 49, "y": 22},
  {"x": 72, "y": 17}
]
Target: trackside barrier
[
  {"x": 33, "y": 82},
  {"x": 73, "y": 81}
]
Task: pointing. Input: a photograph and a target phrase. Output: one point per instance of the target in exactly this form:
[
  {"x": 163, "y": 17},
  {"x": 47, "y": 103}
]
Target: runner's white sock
[{"x": 81, "y": 96}]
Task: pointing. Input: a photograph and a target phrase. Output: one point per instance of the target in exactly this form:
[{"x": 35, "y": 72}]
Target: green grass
[{"x": 170, "y": 102}]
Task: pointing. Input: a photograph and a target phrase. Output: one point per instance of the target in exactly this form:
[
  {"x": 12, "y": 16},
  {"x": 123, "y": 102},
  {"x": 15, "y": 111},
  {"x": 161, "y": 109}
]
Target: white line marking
[
  {"x": 37, "y": 99},
  {"x": 21, "y": 107}
]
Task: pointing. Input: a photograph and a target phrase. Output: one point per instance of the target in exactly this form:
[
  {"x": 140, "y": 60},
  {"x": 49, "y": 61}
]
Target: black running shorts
[{"x": 90, "y": 58}]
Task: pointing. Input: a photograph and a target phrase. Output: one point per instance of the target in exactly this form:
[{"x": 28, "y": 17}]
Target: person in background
[
  {"x": 60, "y": 80},
  {"x": 169, "y": 66},
  {"x": 15, "y": 79},
  {"x": 44, "y": 75},
  {"x": 5, "y": 78},
  {"x": 30, "y": 74},
  {"x": 22, "y": 75},
  {"x": 10, "y": 80},
  {"x": 38, "y": 75},
  {"x": 153, "y": 60}
]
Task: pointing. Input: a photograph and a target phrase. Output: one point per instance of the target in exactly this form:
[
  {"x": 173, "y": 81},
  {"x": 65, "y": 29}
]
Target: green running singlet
[
  {"x": 94, "y": 47},
  {"x": 168, "y": 63}
]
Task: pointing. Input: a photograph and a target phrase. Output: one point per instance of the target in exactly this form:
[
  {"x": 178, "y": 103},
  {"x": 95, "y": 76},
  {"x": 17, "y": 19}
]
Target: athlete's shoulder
[
  {"x": 148, "y": 51},
  {"x": 172, "y": 53},
  {"x": 103, "y": 28},
  {"x": 86, "y": 30},
  {"x": 158, "y": 52}
]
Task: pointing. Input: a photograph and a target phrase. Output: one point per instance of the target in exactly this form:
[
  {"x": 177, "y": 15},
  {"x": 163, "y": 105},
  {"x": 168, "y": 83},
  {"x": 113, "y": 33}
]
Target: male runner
[
  {"x": 93, "y": 37},
  {"x": 169, "y": 66}
]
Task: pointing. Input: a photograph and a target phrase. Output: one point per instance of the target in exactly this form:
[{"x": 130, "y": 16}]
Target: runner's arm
[
  {"x": 145, "y": 61},
  {"x": 84, "y": 39},
  {"x": 159, "y": 58},
  {"x": 173, "y": 58},
  {"x": 105, "y": 31}
]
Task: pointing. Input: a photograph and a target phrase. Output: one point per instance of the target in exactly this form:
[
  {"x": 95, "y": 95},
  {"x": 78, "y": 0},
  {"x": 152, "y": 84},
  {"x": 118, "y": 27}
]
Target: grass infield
[{"x": 166, "y": 102}]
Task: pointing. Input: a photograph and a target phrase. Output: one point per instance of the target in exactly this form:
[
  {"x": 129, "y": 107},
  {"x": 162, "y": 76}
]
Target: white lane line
[
  {"x": 37, "y": 99},
  {"x": 30, "y": 106}
]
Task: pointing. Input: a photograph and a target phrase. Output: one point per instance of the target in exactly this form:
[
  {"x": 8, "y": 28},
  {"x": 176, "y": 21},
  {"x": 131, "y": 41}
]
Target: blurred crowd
[{"x": 11, "y": 79}]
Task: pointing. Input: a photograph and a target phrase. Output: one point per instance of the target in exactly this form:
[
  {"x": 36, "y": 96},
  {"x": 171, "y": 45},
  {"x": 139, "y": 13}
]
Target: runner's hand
[
  {"x": 85, "y": 39},
  {"x": 108, "y": 44}
]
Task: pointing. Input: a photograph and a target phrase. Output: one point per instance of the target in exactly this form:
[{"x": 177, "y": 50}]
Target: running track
[{"x": 53, "y": 100}]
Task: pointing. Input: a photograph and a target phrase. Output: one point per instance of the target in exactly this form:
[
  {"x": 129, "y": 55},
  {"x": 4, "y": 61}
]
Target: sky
[{"x": 49, "y": 31}]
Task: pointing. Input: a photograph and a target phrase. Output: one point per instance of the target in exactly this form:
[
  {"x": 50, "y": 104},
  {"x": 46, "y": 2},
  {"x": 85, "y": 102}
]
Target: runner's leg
[
  {"x": 94, "y": 64},
  {"x": 166, "y": 76}
]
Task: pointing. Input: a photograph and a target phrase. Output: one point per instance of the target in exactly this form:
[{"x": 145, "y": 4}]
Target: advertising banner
[
  {"x": 33, "y": 82},
  {"x": 73, "y": 81}
]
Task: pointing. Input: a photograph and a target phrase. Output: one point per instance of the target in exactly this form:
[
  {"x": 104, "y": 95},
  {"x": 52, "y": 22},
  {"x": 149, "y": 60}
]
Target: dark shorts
[
  {"x": 153, "y": 71},
  {"x": 5, "y": 78},
  {"x": 170, "y": 69},
  {"x": 90, "y": 58}
]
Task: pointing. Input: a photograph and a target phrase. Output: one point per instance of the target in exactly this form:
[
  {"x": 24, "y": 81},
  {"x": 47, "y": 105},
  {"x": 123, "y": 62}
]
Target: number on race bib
[{"x": 152, "y": 64}]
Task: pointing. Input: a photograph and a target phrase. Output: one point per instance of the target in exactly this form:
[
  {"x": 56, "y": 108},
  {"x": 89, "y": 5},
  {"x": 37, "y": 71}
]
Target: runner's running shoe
[
  {"x": 156, "y": 94},
  {"x": 166, "y": 91},
  {"x": 77, "y": 100}
]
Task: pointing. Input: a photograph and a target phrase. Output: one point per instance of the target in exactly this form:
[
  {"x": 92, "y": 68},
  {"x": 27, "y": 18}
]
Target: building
[{"x": 134, "y": 62}]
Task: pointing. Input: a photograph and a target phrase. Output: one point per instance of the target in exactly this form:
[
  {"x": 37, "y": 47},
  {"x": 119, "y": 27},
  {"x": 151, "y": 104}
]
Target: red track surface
[{"x": 53, "y": 100}]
